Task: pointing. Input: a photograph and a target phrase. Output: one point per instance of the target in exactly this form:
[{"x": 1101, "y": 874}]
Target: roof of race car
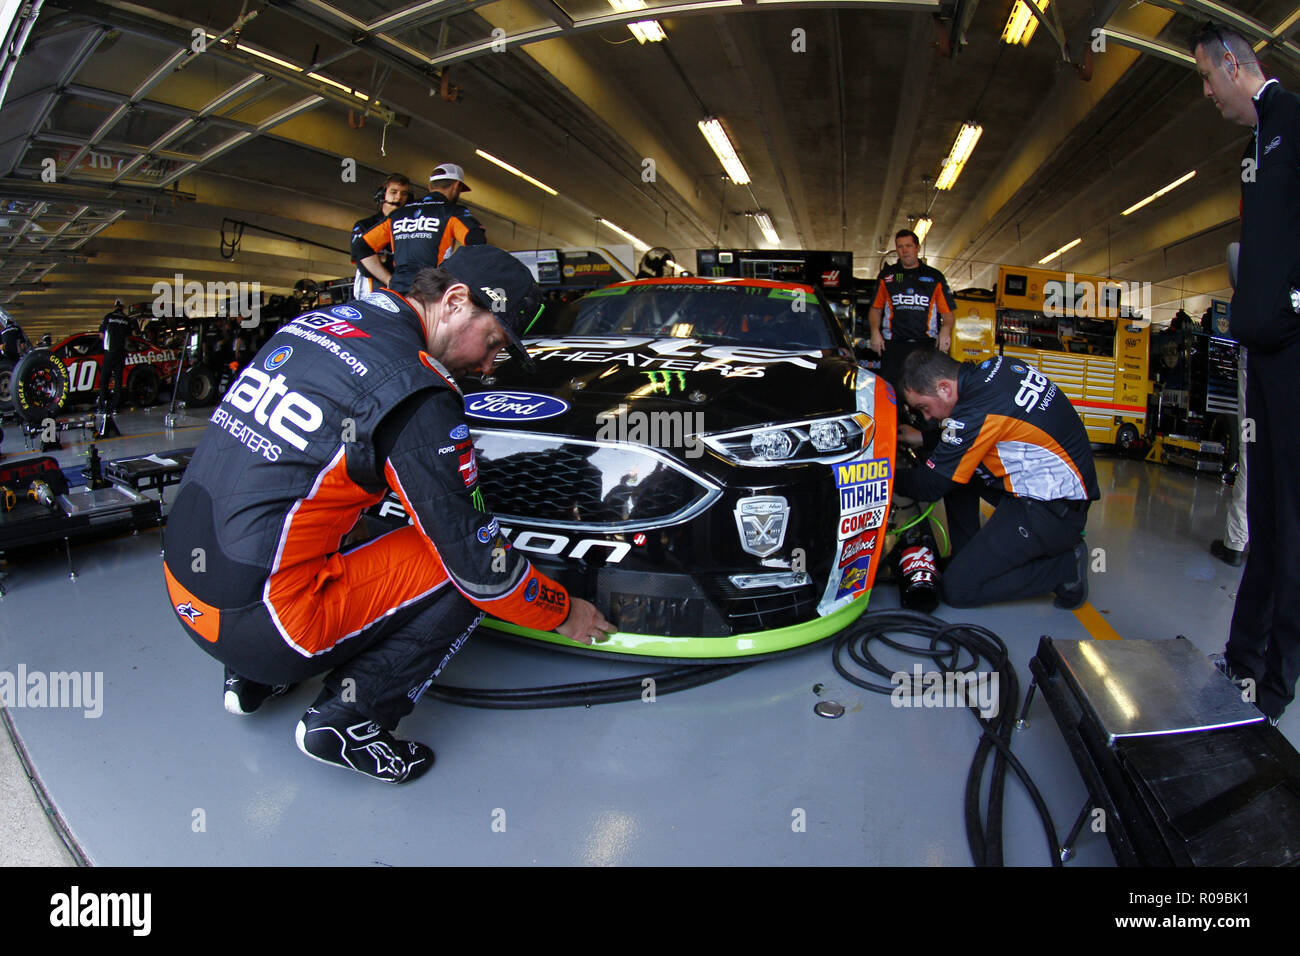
[{"x": 705, "y": 280}]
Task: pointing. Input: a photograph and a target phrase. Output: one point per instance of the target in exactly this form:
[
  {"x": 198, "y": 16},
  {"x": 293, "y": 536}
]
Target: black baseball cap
[{"x": 501, "y": 284}]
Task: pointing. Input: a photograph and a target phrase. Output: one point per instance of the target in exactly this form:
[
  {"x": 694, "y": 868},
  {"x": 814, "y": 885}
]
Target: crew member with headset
[
  {"x": 273, "y": 488},
  {"x": 115, "y": 329},
  {"x": 423, "y": 233},
  {"x": 392, "y": 194},
  {"x": 1011, "y": 437}
]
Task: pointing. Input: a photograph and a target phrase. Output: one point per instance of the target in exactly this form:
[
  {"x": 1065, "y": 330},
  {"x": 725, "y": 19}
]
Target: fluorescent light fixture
[
  {"x": 518, "y": 172},
  {"x": 961, "y": 150},
  {"x": 645, "y": 31},
  {"x": 765, "y": 226},
  {"x": 922, "y": 227},
  {"x": 722, "y": 148},
  {"x": 637, "y": 244},
  {"x": 266, "y": 56},
  {"x": 1158, "y": 193},
  {"x": 1022, "y": 23},
  {"x": 1065, "y": 248}
]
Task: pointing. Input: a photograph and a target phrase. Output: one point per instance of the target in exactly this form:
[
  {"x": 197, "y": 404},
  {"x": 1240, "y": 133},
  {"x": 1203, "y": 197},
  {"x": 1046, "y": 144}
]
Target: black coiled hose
[
  {"x": 586, "y": 693},
  {"x": 946, "y": 644}
]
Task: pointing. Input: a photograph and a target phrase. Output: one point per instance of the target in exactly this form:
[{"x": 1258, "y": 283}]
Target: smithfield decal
[
  {"x": 277, "y": 358},
  {"x": 514, "y": 406}
]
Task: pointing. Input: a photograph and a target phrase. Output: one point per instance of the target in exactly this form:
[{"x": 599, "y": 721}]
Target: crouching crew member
[
  {"x": 340, "y": 406},
  {"x": 1011, "y": 437}
]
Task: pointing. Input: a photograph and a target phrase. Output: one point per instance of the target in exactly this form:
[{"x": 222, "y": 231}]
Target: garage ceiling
[{"x": 158, "y": 127}]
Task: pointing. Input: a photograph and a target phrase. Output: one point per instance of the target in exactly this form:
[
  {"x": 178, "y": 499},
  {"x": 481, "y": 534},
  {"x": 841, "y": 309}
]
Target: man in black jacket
[
  {"x": 115, "y": 329},
  {"x": 1264, "y": 638}
]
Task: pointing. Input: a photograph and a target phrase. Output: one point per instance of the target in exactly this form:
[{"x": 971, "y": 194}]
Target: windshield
[{"x": 730, "y": 314}]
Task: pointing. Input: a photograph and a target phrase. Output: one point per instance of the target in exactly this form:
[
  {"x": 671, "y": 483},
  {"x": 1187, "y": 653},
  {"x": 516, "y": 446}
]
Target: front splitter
[{"x": 757, "y": 644}]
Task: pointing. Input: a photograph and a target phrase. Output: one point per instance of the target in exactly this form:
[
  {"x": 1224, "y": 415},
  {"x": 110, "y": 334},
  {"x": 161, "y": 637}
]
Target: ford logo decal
[
  {"x": 346, "y": 311},
  {"x": 513, "y": 406}
]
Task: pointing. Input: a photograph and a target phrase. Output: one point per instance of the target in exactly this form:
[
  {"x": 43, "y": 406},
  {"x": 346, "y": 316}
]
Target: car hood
[{"x": 577, "y": 379}]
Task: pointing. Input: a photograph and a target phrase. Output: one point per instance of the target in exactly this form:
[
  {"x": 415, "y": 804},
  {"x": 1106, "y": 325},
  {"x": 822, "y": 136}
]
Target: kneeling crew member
[
  {"x": 1011, "y": 437},
  {"x": 310, "y": 435}
]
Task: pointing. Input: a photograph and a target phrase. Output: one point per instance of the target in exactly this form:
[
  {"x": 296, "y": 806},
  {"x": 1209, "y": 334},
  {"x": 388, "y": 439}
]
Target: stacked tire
[{"x": 39, "y": 386}]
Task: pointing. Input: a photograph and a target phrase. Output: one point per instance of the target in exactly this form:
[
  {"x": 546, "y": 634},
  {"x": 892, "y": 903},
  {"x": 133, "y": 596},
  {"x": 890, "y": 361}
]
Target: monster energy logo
[
  {"x": 661, "y": 381},
  {"x": 477, "y": 499}
]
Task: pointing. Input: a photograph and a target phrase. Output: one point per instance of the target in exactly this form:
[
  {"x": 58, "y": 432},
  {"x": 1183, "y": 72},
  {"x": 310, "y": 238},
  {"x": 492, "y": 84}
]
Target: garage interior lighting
[
  {"x": 518, "y": 172},
  {"x": 922, "y": 227},
  {"x": 286, "y": 65},
  {"x": 1065, "y": 248},
  {"x": 637, "y": 244},
  {"x": 645, "y": 31},
  {"x": 722, "y": 148},
  {"x": 1022, "y": 23},
  {"x": 1158, "y": 193},
  {"x": 961, "y": 150},
  {"x": 765, "y": 226}
]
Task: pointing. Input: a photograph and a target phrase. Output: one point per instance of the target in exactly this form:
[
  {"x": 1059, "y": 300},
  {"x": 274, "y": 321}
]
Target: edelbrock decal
[{"x": 514, "y": 406}]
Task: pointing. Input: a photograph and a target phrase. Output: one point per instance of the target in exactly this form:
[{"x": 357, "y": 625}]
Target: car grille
[
  {"x": 762, "y": 609},
  {"x": 553, "y": 481}
]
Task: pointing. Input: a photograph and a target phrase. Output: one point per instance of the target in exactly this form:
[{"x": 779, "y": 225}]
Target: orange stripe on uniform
[
  {"x": 1013, "y": 429},
  {"x": 380, "y": 237},
  {"x": 455, "y": 232},
  {"x": 198, "y": 616},
  {"x": 319, "y": 603},
  {"x": 536, "y": 601}
]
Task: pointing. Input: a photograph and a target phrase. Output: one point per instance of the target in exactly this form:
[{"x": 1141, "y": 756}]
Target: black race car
[{"x": 704, "y": 459}]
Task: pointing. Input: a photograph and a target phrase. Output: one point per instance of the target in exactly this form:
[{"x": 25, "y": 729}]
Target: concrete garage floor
[{"x": 713, "y": 775}]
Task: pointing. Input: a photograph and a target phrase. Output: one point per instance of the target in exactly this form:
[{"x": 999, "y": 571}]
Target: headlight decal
[{"x": 865, "y": 485}]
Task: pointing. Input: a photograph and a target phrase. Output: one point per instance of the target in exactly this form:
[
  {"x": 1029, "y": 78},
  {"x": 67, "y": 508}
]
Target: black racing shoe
[
  {"x": 1072, "y": 595},
  {"x": 335, "y": 734},
  {"x": 243, "y": 696},
  {"x": 1226, "y": 554}
]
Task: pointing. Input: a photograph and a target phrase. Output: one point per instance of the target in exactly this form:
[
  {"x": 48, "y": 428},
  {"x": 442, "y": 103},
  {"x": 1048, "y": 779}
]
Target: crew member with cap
[
  {"x": 393, "y": 193},
  {"x": 115, "y": 328},
  {"x": 424, "y": 233},
  {"x": 1011, "y": 437},
  {"x": 303, "y": 442}
]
